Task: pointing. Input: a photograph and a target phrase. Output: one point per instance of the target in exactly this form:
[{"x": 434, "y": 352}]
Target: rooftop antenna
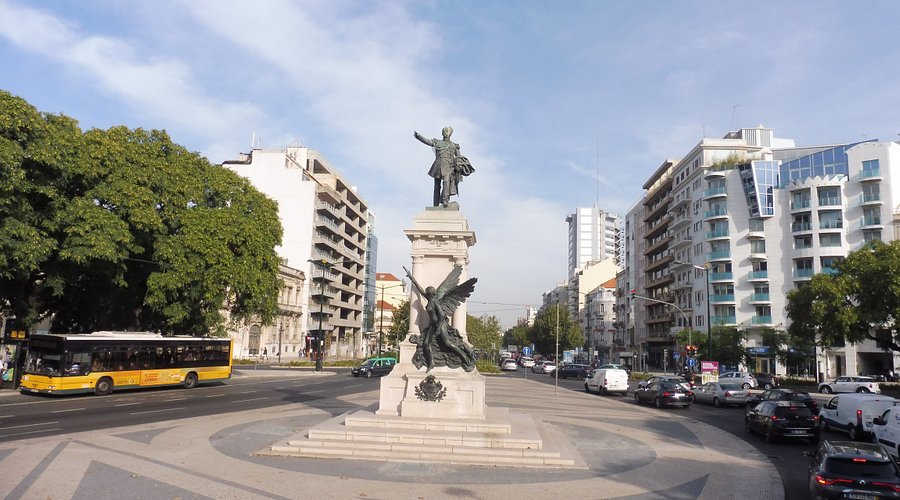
[
  {"x": 598, "y": 166},
  {"x": 731, "y": 126}
]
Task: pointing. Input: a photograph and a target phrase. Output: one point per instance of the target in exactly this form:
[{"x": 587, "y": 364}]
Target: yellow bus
[{"x": 100, "y": 362}]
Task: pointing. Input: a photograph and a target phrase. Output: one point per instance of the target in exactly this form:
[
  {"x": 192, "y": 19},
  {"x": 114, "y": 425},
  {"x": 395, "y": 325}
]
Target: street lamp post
[{"x": 280, "y": 337}]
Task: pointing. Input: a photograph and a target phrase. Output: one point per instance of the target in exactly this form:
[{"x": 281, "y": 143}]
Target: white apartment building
[
  {"x": 740, "y": 221},
  {"x": 593, "y": 236},
  {"x": 324, "y": 220}
]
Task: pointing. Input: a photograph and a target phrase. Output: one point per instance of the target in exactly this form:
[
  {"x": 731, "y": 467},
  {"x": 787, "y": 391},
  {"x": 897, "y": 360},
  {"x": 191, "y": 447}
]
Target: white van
[
  {"x": 607, "y": 381},
  {"x": 853, "y": 413},
  {"x": 886, "y": 429}
]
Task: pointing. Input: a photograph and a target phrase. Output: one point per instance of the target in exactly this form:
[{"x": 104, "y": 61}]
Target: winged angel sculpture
[{"x": 441, "y": 344}]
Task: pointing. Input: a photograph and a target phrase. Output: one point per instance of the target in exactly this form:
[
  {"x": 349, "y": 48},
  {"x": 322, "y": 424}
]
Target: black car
[
  {"x": 574, "y": 370},
  {"x": 765, "y": 380},
  {"x": 849, "y": 469},
  {"x": 374, "y": 367},
  {"x": 664, "y": 394},
  {"x": 782, "y": 419},
  {"x": 803, "y": 398}
]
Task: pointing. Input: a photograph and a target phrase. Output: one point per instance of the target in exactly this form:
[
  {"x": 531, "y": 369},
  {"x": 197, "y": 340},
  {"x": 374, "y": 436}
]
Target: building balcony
[
  {"x": 758, "y": 275},
  {"x": 797, "y": 227},
  {"x": 761, "y": 320},
  {"x": 870, "y": 199},
  {"x": 759, "y": 298},
  {"x": 869, "y": 175},
  {"x": 723, "y": 320},
  {"x": 757, "y": 255},
  {"x": 658, "y": 245},
  {"x": 718, "y": 256},
  {"x": 665, "y": 280},
  {"x": 721, "y": 277},
  {"x": 681, "y": 242},
  {"x": 719, "y": 298},
  {"x": 800, "y": 205},
  {"x": 680, "y": 201},
  {"x": 660, "y": 318},
  {"x": 870, "y": 222},
  {"x": 830, "y": 201},
  {"x": 715, "y": 214},
  {"x": 658, "y": 263},
  {"x": 716, "y": 192},
  {"x": 681, "y": 220},
  {"x": 711, "y": 174},
  {"x": 829, "y": 270},
  {"x": 831, "y": 224},
  {"x": 803, "y": 273},
  {"x": 719, "y": 234},
  {"x": 682, "y": 285}
]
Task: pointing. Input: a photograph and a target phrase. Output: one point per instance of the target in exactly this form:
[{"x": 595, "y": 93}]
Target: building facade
[
  {"x": 285, "y": 338},
  {"x": 326, "y": 231}
]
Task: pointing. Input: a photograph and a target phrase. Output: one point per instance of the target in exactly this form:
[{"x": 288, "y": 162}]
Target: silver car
[
  {"x": 720, "y": 393},
  {"x": 743, "y": 379}
]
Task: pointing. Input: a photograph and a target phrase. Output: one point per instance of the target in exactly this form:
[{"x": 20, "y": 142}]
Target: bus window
[{"x": 77, "y": 363}]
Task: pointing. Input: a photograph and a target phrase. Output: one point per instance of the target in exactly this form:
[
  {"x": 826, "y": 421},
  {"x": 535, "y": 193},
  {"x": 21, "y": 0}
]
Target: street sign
[
  {"x": 676, "y": 355},
  {"x": 526, "y": 351},
  {"x": 692, "y": 362}
]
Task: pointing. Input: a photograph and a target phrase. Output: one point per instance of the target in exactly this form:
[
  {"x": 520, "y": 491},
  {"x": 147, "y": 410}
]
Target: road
[
  {"x": 787, "y": 457},
  {"x": 29, "y": 415},
  {"x": 25, "y": 416}
]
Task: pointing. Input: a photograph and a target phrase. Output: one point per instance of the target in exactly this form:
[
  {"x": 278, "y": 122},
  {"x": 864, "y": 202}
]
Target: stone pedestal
[{"x": 440, "y": 240}]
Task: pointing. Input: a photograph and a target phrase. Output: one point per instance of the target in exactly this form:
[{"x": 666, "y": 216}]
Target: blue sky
[{"x": 557, "y": 104}]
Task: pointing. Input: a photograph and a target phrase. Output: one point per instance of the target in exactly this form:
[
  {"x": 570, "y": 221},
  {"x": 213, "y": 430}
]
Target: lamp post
[
  {"x": 280, "y": 336},
  {"x": 683, "y": 315}
]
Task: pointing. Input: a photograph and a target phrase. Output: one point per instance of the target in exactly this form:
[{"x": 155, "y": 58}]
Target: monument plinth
[{"x": 440, "y": 240}]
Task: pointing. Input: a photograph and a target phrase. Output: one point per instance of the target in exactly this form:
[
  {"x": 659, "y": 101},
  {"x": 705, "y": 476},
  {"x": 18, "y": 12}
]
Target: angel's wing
[{"x": 451, "y": 294}]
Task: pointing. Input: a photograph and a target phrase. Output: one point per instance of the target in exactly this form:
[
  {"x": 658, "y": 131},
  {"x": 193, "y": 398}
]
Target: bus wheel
[
  {"x": 190, "y": 381},
  {"x": 104, "y": 386}
]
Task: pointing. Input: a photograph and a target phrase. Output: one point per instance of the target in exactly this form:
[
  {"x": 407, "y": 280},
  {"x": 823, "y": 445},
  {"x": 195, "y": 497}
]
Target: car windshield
[
  {"x": 671, "y": 386},
  {"x": 849, "y": 467}
]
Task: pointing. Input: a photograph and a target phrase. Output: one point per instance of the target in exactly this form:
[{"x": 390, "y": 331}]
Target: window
[
  {"x": 757, "y": 246},
  {"x": 805, "y": 241},
  {"x": 830, "y": 240},
  {"x": 872, "y": 235}
]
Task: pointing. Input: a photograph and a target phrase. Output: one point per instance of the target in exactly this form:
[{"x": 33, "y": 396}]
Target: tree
[
  {"x": 728, "y": 345},
  {"x": 483, "y": 332},
  {"x": 694, "y": 338},
  {"x": 399, "y": 324},
  {"x": 517, "y": 335},
  {"x": 124, "y": 229},
  {"x": 860, "y": 301},
  {"x": 549, "y": 320}
]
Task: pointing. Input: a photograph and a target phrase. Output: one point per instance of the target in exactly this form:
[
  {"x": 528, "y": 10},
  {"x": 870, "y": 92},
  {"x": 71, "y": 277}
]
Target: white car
[
  {"x": 509, "y": 364},
  {"x": 850, "y": 384},
  {"x": 886, "y": 428},
  {"x": 607, "y": 381},
  {"x": 526, "y": 361},
  {"x": 854, "y": 413},
  {"x": 744, "y": 379}
]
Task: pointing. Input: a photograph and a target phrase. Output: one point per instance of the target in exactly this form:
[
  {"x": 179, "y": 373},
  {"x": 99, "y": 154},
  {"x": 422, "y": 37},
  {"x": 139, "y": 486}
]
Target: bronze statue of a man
[{"x": 448, "y": 168}]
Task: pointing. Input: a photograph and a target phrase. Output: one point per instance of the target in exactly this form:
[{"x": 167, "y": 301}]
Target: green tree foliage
[
  {"x": 399, "y": 325},
  {"x": 861, "y": 301},
  {"x": 728, "y": 345},
  {"x": 694, "y": 338},
  {"x": 483, "y": 332},
  {"x": 124, "y": 229},
  {"x": 544, "y": 332},
  {"x": 517, "y": 335}
]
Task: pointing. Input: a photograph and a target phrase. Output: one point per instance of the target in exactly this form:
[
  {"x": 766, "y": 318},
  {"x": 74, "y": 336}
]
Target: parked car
[
  {"x": 850, "y": 384},
  {"x": 664, "y": 393},
  {"x": 886, "y": 430},
  {"x": 719, "y": 393},
  {"x": 803, "y": 398},
  {"x": 854, "y": 413},
  {"x": 526, "y": 361},
  {"x": 509, "y": 364},
  {"x": 782, "y": 419},
  {"x": 544, "y": 366},
  {"x": 765, "y": 380},
  {"x": 665, "y": 378},
  {"x": 374, "y": 367},
  {"x": 847, "y": 469},
  {"x": 616, "y": 366},
  {"x": 607, "y": 381},
  {"x": 573, "y": 370},
  {"x": 743, "y": 379}
]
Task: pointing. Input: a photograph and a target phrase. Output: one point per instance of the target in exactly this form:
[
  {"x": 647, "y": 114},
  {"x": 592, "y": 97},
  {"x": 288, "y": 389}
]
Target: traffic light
[
  {"x": 665, "y": 353},
  {"x": 632, "y": 293}
]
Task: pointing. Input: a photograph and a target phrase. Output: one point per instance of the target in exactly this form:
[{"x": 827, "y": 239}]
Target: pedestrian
[{"x": 265, "y": 354}]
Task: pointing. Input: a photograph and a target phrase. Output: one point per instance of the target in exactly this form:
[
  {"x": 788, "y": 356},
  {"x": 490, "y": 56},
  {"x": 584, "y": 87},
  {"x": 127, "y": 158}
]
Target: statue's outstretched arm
[
  {"x": 423, "y": 139},
  {"x": 414, "y": 282}
]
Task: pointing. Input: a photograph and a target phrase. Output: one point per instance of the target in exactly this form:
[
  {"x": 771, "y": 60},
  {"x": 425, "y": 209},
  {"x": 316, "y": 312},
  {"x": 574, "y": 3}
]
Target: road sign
[
  {"x": 692, "y": 362},
  {"x": 526, "y": 351},
  {"x": 676, "y": 355}
]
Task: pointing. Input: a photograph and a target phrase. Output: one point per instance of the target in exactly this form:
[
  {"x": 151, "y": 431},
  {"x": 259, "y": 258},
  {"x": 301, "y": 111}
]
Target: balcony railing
[
  {"x": 799, "y": 204},
  {"x": 722, "y": 297},
  {"x": 719, "y": 233},
  {"x": 723, "y": 320},
  {"x": 869, "y": 197},
  {"x": 829, "y": 201},
  {"x": 869, "y": 173},
  {"x": 718, "y": 255},
  {"x": 721, "y": 276},
  {"x": 759, "y": 297},
  {"x": 761, "y": 320},
  {"x": 801, "y": 226},
  {"x": 715, "y": 213},
  {"x": 759, "y": 275},
  {"x": 831, "y": 224},
  {"x": 803, "y": 273},
  {"x": 713, "y": 192},
  {"x": 869, "y": 221}
]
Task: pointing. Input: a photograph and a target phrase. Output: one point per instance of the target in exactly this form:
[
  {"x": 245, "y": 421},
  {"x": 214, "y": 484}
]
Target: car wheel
[
  {"x": 369, "y": 374},
  {"x": 767, "y": 386},
  {"x": 853, "y": 433},
  {"x": 747, "y": 425},
  {"x": 745, "y": 385},
  {"x": 716, "y": 402},
  {"x": 658, "y": 403},
  {"x": 770, "y": 438},
  {"x": 586, "y": 388},
  {"x": 637, "y": 399},
  {"x": 190, "y": 381},
  {"x": 862, "y": 390},
  {"x": 104, "y": 386},
  {"x": 825, "y": 389},
  {"x": 823, "y": 426}
]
